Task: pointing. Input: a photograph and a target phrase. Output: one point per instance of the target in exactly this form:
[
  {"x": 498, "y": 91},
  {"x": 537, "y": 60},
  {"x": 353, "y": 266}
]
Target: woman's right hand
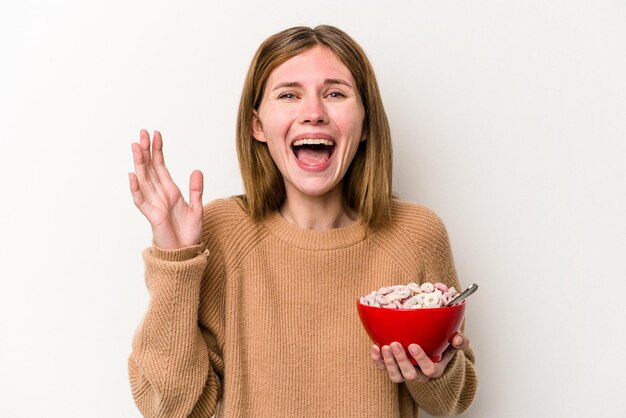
[
  {"x": 175, "y": 224},
  {"x": 395, "y": 361}
]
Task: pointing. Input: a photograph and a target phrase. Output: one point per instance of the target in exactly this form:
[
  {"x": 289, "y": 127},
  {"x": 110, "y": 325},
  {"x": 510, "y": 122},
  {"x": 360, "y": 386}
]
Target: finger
[
  {"x": 138, "y": 161},
  {"x": 139, "y": 155},
  {"x": 421, "y": 377},
  {"x": 157, "y": 158},
  {"x": 377, "y": 357},
  {"x": 406, "y": 367},
  {"x": 141, "y": 171},
  {"x": 144, "y": 144},
  {"x": 392, "y": 366},
  {"x": 134, "y": 189},
  {"x": 447, "y": 356},
  {"x": 138, "y": 197},
  {"x": 196, "y": 186},
  {"x": 460, "y": 342},
  {"x": 425, "y": 364}
]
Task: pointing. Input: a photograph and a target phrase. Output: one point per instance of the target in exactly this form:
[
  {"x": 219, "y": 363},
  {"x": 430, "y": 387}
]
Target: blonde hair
[{"x": 367, "y": 183}]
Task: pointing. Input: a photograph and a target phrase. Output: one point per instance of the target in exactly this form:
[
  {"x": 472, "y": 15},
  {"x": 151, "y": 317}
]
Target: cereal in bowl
[{"x": 410, "y": 296}]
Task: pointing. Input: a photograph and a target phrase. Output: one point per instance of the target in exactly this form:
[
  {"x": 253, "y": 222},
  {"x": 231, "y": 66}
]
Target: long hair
[{"x": 367, "y": 182}]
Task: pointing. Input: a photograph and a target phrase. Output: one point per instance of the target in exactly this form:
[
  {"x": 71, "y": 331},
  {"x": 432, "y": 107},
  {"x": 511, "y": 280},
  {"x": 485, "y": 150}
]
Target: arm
[
  {"x": 174, "y": 363},
  {"x": 447, "y": 387},
  {"x": 453, "y": 390},
  {"x": 444, "y": 388}
]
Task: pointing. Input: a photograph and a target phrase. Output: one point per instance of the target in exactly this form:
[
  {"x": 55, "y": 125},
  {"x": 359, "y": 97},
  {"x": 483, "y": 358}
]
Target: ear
[
  {"x": 364, "y": 135},
  {"x": 257, "y": 127}
]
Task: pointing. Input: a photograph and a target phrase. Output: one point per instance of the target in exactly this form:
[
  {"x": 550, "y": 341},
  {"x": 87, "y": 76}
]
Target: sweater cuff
[
  {"x": 450, "y": 394},
  {"x": 182, "y": 254},
  {"x": 445, "y": 385}
]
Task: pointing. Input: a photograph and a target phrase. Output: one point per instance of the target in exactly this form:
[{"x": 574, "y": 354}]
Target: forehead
[{"x": 317, "y": 63}]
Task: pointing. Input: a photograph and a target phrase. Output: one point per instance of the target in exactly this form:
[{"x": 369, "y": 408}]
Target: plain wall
[{"x": 508, "y": 119}]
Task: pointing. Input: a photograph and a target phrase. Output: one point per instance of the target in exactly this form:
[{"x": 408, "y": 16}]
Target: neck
[{"x": 318, "y": 212}]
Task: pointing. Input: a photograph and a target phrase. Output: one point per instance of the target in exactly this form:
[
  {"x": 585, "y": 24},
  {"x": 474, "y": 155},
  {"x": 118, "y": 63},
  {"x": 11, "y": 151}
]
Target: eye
[
  {"x": 287, "y": 95},
  {"x": 336, "y": 95}
]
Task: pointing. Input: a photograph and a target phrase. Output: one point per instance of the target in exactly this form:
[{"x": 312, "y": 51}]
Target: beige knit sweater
[{"x": 260, "y": 320}]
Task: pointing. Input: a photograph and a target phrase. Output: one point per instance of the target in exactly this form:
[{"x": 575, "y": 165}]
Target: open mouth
[{"x": 313, "y": 151}]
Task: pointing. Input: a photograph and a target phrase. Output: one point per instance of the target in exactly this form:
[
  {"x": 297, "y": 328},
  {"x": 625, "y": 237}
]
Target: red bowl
[{"x": 430, "y": 328}]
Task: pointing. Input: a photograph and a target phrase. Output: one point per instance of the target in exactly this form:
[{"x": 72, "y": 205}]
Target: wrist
[{"x": 178, "y": 254}]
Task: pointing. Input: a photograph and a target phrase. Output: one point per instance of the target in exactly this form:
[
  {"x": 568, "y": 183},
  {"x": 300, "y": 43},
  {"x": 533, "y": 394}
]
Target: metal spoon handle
[{"x": 471, "y": 289}]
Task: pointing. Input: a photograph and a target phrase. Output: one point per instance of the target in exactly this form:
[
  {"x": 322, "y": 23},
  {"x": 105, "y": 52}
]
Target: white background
[{"x": 508, "y": 119}]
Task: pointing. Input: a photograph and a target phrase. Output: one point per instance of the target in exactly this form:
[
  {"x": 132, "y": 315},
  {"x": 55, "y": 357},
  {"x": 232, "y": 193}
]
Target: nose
[{"x": 313, "y": 111}]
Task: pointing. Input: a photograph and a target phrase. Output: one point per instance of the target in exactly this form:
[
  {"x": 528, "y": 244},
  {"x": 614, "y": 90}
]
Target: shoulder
[
  {"x": 416, "y": 239},
  {"x": 418, "y": 223},
  {"x": 221, "y": 215},
  {"x": 227, "y": 228},
  {"x": 224, "y": 210},
  {"x": 413, "y": 214}
]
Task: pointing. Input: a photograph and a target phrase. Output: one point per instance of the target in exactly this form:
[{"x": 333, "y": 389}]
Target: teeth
[{"x": 313, "y": 141}]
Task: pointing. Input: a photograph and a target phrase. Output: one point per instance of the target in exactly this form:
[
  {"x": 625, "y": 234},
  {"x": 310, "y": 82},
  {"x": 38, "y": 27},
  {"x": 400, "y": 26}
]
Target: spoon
[{"x": 471, "y": 289}]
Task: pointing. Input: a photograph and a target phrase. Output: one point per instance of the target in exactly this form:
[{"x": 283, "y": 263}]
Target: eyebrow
[{"x": 298, "y": 84}]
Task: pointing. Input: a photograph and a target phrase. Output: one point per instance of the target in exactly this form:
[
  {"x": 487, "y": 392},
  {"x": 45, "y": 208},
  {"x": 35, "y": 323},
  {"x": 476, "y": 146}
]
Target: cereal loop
[
  {"x": 427, "y": 287},
  {"x": 441, "y": 286}
]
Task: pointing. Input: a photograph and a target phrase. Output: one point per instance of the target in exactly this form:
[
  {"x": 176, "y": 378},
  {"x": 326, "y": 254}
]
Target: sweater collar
[{"x": 315, "y": 239}]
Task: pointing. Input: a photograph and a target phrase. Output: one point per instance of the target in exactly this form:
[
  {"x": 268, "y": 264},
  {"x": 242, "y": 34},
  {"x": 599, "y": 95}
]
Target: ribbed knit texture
[{"x": 260, "y": 320}]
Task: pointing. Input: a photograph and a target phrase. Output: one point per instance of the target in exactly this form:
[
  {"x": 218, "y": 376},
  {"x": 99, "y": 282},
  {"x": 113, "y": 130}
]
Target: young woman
[{"x": 252, "y": 297}]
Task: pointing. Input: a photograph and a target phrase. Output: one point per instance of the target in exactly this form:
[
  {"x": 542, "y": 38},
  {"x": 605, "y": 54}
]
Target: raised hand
[{"x": 175, "y": 224}]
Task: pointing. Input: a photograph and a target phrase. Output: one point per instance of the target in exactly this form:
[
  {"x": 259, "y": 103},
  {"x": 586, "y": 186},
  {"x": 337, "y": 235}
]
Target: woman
[{"x": 252, "y": 298}]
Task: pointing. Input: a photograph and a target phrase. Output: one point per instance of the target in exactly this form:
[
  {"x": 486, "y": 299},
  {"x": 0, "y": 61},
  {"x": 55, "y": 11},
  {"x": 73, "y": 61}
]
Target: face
[{"x": 311, "y": 117}]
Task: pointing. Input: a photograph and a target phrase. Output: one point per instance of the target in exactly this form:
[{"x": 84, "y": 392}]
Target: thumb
[
  {"x": 196, "y": 187},
  {"x": 460, "y": 341}
]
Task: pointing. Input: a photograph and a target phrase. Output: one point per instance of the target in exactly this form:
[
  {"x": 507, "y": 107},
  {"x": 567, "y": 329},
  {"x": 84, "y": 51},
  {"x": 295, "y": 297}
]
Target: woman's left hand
[{"x": 394, "y": 359}]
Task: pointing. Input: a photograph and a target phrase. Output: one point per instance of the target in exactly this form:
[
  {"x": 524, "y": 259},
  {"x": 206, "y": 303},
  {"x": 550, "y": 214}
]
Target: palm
[{"x": 175, "y": 223}]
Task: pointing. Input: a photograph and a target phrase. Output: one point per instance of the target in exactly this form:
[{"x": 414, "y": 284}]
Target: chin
[
  {"x": 313, "y": 184},
  {"x": 315, "y": 188}
]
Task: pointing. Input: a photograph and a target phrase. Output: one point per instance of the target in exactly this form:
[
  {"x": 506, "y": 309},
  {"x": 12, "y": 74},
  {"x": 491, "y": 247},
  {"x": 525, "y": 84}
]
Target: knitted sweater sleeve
[
  {"x": 454, "y": 391},
  {"x": 175, "y": 366}
]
